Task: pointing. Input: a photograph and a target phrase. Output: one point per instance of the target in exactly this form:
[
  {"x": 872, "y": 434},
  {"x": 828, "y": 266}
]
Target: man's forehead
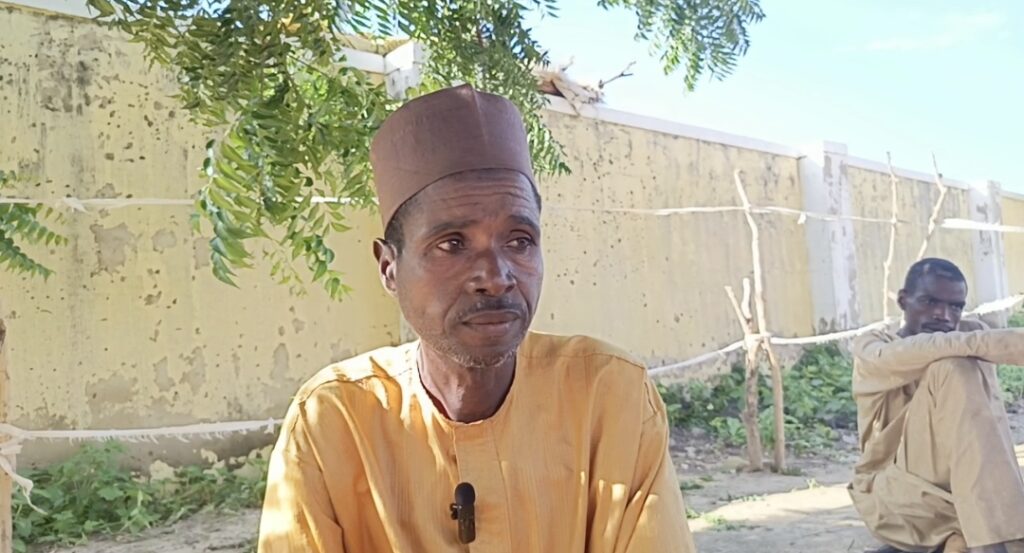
[{"x": 941, "y": 286}]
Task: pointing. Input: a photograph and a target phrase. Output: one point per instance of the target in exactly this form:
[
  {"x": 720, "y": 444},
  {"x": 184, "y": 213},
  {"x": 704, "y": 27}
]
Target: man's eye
[
  {"x": 522, "y": 242},
  {"x": 451, "y": 245}
]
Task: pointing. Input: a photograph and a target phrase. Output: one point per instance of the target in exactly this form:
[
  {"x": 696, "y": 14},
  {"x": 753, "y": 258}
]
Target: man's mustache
[{"x": 491, "y": 305}]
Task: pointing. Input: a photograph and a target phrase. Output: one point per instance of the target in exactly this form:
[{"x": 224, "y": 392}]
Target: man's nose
[{"x": 492, "y": 274}]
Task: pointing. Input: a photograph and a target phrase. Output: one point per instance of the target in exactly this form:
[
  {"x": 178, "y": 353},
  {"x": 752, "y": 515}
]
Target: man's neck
[{"x": 464, "y": 394}]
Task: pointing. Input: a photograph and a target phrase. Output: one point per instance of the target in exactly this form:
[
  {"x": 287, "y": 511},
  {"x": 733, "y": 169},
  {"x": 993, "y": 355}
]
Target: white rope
[
  {"x": 81, "y": 205},
  {"x": 206, "y": 430},
  {"x": 994, "y": 306},
  {"x": 9, "y": 450},
  {"x": 762, "y": 210},
  {"x": 718, "y": 354},
  {"x": 967, "y": 224}
]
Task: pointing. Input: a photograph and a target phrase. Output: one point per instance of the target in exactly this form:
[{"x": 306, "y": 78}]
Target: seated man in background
[
  {"x": 938, "y": 468},
  {"x": 480, "y": 433}
]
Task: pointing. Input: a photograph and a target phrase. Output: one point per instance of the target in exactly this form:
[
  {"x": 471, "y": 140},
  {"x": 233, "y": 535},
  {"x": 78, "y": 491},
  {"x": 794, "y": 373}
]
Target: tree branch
[{"x": 624, "y": 73}]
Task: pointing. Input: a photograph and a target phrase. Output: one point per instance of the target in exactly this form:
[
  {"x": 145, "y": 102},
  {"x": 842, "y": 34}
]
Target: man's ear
[
  {"x": 902, "y": 298},
  {"x": 387, "y": 257}
]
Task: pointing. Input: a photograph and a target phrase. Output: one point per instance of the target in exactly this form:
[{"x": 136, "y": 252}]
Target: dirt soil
[{"x": 807, "y": 510}]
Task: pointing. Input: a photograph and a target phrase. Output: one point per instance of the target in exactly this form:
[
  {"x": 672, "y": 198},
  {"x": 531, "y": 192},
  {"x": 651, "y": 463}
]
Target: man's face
[
  {"x": 469, "y": 274},
  {"x": 935, "y": 305}
]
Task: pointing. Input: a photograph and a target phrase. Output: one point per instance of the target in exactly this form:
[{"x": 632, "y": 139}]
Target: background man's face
[
  {"x": 934, "y": 305},
  {"x": 470, "y": 272}
]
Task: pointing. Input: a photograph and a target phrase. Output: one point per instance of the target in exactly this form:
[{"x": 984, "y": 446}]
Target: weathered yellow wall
[
  {"x": 654, "y": 284},
  {"x": 133, "y": 330},
  {"x": 872, "y": 197},
  {"x": 1013, "y": 242}
]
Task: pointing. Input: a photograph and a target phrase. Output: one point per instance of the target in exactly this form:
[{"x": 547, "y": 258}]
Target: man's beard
[{"x": 450, "y": 349}]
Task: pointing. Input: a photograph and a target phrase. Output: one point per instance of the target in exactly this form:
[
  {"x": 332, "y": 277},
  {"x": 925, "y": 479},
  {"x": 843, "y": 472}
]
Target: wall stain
[
  {"x": 163, "y": 381},
  {"x": 111, "y": 247},
  {"x": 281, "y": 364},
  {"x": 196, "y": 375},
  {"x": 164, "y": 239},
  {"x": 201, "y": 253}
]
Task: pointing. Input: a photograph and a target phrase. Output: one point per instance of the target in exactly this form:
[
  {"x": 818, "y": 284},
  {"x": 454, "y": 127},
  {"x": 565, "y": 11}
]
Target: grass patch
[
  {"x": 745, "y": 498},
  {"x": 690, "y": 485},
  {"x": 91, "y": 494},
  {"x": 1011, "y": 377},
  {"x": 722, "y": 524},
  {"x": 1011, "y": 380},
  {"x": 818, "y": 401}
]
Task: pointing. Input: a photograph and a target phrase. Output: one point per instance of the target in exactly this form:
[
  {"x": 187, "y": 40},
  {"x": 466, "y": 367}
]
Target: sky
[{"x": 912, "y": 78}]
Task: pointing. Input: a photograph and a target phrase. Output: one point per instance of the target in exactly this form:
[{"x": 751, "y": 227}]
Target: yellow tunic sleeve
[
  {"x": 297, "y": 511},
  {"x": 656, "y": 510},
  {"x": 884, "y": 364}
]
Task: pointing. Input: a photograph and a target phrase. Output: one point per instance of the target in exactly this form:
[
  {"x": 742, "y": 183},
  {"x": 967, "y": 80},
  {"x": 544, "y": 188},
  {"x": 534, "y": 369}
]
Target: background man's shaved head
[{"x": 932, "y": 266}]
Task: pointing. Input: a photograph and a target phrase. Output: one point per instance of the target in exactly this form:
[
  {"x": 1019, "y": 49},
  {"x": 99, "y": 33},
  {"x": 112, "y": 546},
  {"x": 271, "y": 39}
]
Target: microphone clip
[{"x": 463, "y": 510}]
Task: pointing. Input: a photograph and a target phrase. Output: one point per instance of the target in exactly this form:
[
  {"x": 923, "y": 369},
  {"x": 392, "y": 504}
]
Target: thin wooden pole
[
  {"x": 751, "y": 411},
  {"x": 762, "y": 325},
  {"x": 934, "y": 219},
  {"x": 887, "y": 266},
  {"x": 6, "y": 519}
]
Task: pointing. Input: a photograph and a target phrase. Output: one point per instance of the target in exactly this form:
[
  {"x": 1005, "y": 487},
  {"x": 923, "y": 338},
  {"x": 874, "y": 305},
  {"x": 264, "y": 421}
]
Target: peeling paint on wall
[
  {"x": 111, "y": 247},
  {"x": 164, "y": 239},
  {"x": 281, "y": 364},
  {"x": 163, "y": 381},
  {"x": 201, "y": 253},
  {"x": 195, "y": 376}
]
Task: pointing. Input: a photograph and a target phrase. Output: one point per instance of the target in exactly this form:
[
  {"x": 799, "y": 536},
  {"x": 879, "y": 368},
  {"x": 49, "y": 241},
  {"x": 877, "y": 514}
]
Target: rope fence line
[
  {"x": 994, "y": 306},
  {"x": 82, "y": 205},
  {"x": 12, "y": 446},
  {"x": 204, "y": 430}
]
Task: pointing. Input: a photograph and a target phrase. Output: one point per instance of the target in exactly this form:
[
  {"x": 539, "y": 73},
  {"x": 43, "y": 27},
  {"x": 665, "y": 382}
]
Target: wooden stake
[
  {"x": 751, "y": 411},
  {"x": 6, "y": 519},
  {"x": 887, "y": 266},
  {"x": 934, "y": 219},
  {"x": 762, "y": 325}
]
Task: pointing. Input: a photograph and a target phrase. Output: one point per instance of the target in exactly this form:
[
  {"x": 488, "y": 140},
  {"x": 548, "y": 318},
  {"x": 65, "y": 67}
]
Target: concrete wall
[
  {"x": 133, "y": 330},
  {"x": 872, "y": 197},
  {"x": 1013, "y": 215},
  {"x": 654, "y": 284}
]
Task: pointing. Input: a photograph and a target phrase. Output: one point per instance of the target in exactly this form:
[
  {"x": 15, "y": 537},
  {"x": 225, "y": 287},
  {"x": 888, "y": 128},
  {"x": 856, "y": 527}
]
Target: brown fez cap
[{"x": 443, "y": 133}]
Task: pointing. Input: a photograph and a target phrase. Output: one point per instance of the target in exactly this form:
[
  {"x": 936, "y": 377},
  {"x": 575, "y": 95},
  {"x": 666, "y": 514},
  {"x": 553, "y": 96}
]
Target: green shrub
[
  {"x": 818, "y": 400},
  {"x": 91, "y": 494}
]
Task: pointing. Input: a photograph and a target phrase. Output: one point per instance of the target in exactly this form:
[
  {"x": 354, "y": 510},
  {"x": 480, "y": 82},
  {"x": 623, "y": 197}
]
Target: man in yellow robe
[
  {"x": 556, "y": 444},
  {"x": 938, "y": 468}
]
